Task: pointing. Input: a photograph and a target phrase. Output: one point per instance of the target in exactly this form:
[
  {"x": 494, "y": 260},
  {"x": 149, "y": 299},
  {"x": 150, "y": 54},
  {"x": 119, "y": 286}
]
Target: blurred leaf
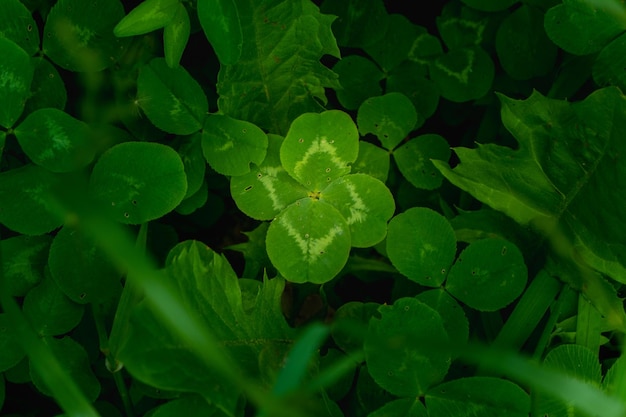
[
  {"x": 12, "y": 351},
  {"x": 407, "y": 407},
  {"x": 490, "y": 5},
  {"x": 186, "y": 406},
  {"x": 23, "y": 262}
]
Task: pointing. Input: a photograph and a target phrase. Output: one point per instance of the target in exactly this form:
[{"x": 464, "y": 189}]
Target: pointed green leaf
[
  {"x": 75, "y": 362},
  {"x": 175, "y": 36},
  {"x": 27, "y": 203},
  {"x": 523, "y": 47},
  {"x": 18, "y": 25},
  {"x": 567, "y": 154},
  {"x": 55, "y": 140},
  {"x": 23, "y": 262},
  {"x": 463, "y": 74},
  {"x": 10, "y": 346},
  {"x": 81, "y": 269},
  {"x": 230, "y": 145},
  {"x": 414, "y": 160},
  {"x": 50, "y": 311},
  {"x": 222, "y": 27},
  {"x": 78, "y": 35},
  {"x": 135, "y": 182},
  {"x": 278, "y": 76},
  {"x": 365, "y": 202},
  {"x": 173, "y": 101},
  {"x": 360, "y": 78},
  {"x": 390, "y": 117},
  {"x": 47, "y": 88},
  {"x": 16, "y": 75},
  {"x": 421, "y": 245},
  {"x": 394, "y": 348},
  {"x": 488, "y": 275},
  {"x": 581, "y": 27},
  {"x": 147, "y": 16},
  {"x": 309, "y": 241},
  {"x": 478, "y": 397},
  {"x": 267, "y": 189},
  {"x": 319, "y": 148}
]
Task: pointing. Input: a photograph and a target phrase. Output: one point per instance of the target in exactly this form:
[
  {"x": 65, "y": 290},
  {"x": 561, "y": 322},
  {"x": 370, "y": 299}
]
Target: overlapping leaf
[{"x": 569, "y": 170}]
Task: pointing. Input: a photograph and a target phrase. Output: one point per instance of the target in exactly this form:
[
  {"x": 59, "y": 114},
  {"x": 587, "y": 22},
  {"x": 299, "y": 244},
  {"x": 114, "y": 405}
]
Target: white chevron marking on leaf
[
  {"x": 358, "y": 210},
  {"x": 319, "y": 145},
  {"x": 312, "y": 248}
]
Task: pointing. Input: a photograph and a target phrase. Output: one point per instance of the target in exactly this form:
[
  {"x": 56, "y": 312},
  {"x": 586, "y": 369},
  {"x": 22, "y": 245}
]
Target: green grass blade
[{"x": 588, "y": 325}]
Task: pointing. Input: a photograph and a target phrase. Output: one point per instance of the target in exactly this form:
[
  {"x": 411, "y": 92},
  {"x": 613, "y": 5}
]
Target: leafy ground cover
[{"x": 295, "y": 208}]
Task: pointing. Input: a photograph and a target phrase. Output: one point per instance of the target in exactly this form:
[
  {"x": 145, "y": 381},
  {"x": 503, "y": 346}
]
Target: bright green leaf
[
  {"x": 319, "y": 148},
  {"x": 230, "y": 145},
  {"x": 567, "y": 154},
  {"x": 23, "y": 261},
  {"x": 488, "y": 275},
  {"x": 50, "y": 311},
  {"x": 78, "y": 34},
  {"x": 523, "y": 47},
  {"x": 147, "y": 16},
  {"x": 394, "y": 348},
  {"x": 372, "y": 160},
  {"x": 365, "y": 202},
  {"x": 360, "y": 78},
  {"x": 18, "y": 25},
  {"x": 75, "y": 362},
  {"x": 309, "y": 241},
  {"x": 55, "y": 140},
  {"x": 414, "y": 160},
  {"x": 81, "y": 269},
  {"x": 478, "y": 396},
  {"x": 27, "y": 204},
  {"x": 278, "y": 76},
  {"x": 175, "y": 36},
  {"x": 390, "y": 117},
  {"x": 463, "y": 74},
  {"x": 266, "y": 190},
  {"x": 12, "y": 352},
  {"x": 222, "y": 27},
  {"x": 136, "y": 182},
  {"x": 16, "y": 75},
  {"x": 421, "y": 245},
  {"x": 581, "y": 27},
  {"x": 173, "y": 101}
]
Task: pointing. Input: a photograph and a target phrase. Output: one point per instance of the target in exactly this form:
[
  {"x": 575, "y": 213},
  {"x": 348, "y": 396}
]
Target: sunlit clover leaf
[
  {"x": 27, "y": 202},
  {"x": 18, "y": 25},
  {"x": 78, "y": 34},
  {"x": 230, "y": 145},
  {"x": 478, "y": 396},
  {"x": 390, "y": 117},
  {"x": 309, "y": 241},
  {"x": 488, "y": 275},
  {"x": 173, "y": 101},
  {"x": 399, "y": 348},
  {"x": 463, "y": 74},
  {"x": 55, "y": 140},
  {"x": 421, "y": 244},
  {"x": 222, "y": 27},
  {"x": 365, "y": 202},
  {"x": 147, "y": 16},
  {"x": 135, "y": 182},
  {"x": 16, "y": 75},
  {"x": 319, "y": 148},
  {"x": 267, "y": 189},
  {"x": 583, "y": 27},
  {"x": 567, "y": 154},
  {"x": 74, "y": 256},
  {"x": 414, "y": 160},
  {"x": 279, "y": 74}
]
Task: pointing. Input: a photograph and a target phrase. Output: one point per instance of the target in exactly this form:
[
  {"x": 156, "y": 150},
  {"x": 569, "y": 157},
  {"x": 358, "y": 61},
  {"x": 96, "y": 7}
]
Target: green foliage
[{"x": 312, "y": 208}]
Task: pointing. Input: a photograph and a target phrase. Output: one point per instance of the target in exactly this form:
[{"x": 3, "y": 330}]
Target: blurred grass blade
[{"x": 588, "y": 325}]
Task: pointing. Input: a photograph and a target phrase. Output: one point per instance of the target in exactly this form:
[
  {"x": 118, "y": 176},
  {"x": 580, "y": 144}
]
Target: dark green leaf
[
  {"x": 360, "y": 78},
  {"x": 190, "y": 152},
  {"x": 608, "y": 69},
  {"x": 12, "y": 352},
  {"x": 401, "y": 33},
  {"x": 23, "y": 262},
  {"x": 395, "y": 352},
  {"x": 414, "y": 160},
  {"x": 463, "y": 74},
  {"x": 350, "y": 314},
  {"x": 488, "y": 275},
  {"x": 55, "y": 140},
  {"x": 47, "y": 88},
  {"x": 175, "y": 36},
  {"x": 136, "y": 182},
  {"x": 460, "y": 26},
  {"x": 356, "y": 19},
  {"x": 16, "y": 75},
  {"x": 454, "y": 320},
  {"x": 390, "y": 117},
  {"x": 173, "y": 101},
  {"x": 186, "y": 406},
  {"x": 490, "y": 5},
  {"x": 406, "y": 407},
  {"x": 410, "y": 80},
  {"x": 372, "y": 160},
  {"x": 78, "y": 35},
  {"x": 18, "y": 25},
  {"x": 222, "y": 27},
  {"x": 147, "y": 16}
]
